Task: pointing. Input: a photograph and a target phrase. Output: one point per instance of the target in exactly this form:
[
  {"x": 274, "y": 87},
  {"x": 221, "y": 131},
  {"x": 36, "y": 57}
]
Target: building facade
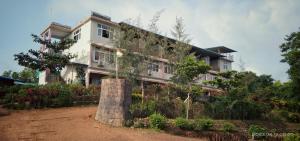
[{"x": 96, "y": 53}]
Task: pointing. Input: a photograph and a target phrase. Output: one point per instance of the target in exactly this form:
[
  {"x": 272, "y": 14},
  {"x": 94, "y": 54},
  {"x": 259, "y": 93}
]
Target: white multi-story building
[{"x": 95, "y": 52}]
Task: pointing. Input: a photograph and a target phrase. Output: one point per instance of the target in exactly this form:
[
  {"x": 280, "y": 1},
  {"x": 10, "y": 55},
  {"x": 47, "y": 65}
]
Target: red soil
[{"x": 71, "y": 124}]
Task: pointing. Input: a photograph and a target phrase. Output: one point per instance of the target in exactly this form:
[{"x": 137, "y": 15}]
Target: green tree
[
  {"x": 290, "y": 50},
  {"x": 28, "y": 75},
  {"x": 186, "y": 71},
  {"x": 139, "y": 48},
  {"x": 7, "y": 73},
  {"x": 80, "y": 74},
  {"x": 54, "y": 59},
  {"x": 15, "y": 75}
]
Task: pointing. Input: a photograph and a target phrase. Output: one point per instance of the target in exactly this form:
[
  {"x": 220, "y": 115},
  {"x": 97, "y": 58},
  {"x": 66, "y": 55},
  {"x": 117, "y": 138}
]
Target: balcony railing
[{"x": 228, "y": 56}]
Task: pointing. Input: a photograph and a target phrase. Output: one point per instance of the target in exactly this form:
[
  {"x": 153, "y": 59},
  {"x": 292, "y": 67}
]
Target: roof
[
  {"x": 221, "y": 49},
  {"x": 197, "y": 50}
]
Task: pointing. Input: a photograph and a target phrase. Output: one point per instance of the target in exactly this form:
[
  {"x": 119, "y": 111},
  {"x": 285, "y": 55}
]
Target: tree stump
[{"x": 114, "y": 103}]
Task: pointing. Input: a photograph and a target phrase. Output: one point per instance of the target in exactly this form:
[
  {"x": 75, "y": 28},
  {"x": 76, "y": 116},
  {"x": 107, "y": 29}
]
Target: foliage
[
  {"x": 80, "y": 74},
  {"x": 26, "y": 75},
  {"x": 257, "y": 131},
  {"x": 157, "y": 121},
  {"x": 7, "y": 73},
  {"x": 170, "y": 108},
  {"x": 142, "y": 110},
  {"x": 138, "y": 47},
  {"x": 54, "y": 59},
  {"x": 176, "y": 52},
  {"x": 183, "y": 123},
  {"x": 228, "y": 127},
  {"x": 204, "y": 124},
  {"x": 188, "y": 69},
  {"x": 292, "y": 137},
  {"x": 50, "y": 95},
  {"x": 290, "y": 50}
]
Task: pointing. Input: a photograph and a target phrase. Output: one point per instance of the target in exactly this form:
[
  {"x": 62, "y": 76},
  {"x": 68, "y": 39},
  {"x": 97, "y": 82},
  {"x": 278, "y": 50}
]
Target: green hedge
[{"x": 50, "y": 95}]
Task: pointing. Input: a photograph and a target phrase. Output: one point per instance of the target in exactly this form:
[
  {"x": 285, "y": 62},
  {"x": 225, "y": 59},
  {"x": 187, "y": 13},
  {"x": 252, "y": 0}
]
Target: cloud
[{"x": 254, "y": 28}]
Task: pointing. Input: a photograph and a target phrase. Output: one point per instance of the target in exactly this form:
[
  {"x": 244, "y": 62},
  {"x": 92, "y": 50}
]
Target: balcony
[{"x": 227, "y": 56}]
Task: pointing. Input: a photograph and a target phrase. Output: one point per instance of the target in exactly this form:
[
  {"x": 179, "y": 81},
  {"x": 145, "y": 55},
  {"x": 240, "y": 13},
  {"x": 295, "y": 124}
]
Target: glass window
[
  {"x": 153, "y": 66},
  {"x": 104, "y": 31},
  {"x": 104, "y": 57},
  {"x": 225, "y": 66},
  {"x": 77, "y": 34},
  {"x": 168, "y": 69}
]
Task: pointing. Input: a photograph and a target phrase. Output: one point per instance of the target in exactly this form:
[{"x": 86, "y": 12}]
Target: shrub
[
  {"x": 157, "y": 121},
  {"x": 183, "y": 123},
  {"x": 293, "y": 117},
  {"x": 292, "y": 137},
  {"x": 257, "y": 132},
  {"x": 136, "y": 97},
  {"x": 50, "y": 95},
  {"x": 141, "y": 123},
  {"x": 228, "y": 127},
  {"x": 204, "y": 124},
  {"x": 139, "y": 110}
]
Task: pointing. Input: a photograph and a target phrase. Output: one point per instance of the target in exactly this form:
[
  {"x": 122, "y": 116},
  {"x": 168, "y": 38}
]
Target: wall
[
  {"x": 82, "y": 47},
  {"x": 107, "y": 42}
]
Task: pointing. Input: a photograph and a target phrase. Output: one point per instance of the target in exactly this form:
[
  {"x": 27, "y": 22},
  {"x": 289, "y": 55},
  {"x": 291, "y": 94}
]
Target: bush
[
  {"x": 293, "y": 117},
  {"x": 50, "y": 95},
  {"x": 183, "y": 123},
  {"x": 157, "y": 121},
  {"x": 257, "y": 132},
  {"x": 141, "y": 123},
  {"x": 139, "y": 110},
  {"x": 292, "y": 137},
  {"x": 204, "y": 124},
  {"x": 228, "y": 127}
]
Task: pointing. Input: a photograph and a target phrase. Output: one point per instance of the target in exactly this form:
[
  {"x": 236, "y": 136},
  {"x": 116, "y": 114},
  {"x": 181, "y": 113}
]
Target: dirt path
[{"x": 71, "y": 124}]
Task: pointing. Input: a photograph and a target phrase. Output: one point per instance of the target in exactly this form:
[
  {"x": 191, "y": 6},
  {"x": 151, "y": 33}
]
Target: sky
[{"x": 254, "y": 28}]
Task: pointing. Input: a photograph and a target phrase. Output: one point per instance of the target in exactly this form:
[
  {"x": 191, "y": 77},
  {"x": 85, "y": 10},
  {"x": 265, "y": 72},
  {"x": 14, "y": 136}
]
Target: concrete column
[
  {"x": 87, "y": 79},
  {"x": 114, "y": 103}
]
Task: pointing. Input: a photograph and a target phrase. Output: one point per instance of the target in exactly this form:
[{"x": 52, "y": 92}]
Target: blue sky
[{"x": 255, "y": 28}]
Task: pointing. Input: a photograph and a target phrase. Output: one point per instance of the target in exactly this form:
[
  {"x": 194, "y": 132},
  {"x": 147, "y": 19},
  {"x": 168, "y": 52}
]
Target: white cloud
[{"x": 254, "y": 28}]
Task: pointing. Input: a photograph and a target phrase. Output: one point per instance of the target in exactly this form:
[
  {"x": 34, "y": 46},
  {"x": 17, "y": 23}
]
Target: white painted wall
[
  {"x": 95, "y": 38},
  {"x": 82, "y": 47}
]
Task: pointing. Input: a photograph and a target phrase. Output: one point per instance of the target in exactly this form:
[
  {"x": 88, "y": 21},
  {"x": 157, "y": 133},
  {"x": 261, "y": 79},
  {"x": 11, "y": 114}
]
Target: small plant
[
  {"x": 257, "y": 132},
  {"x": 228, "y": 127},
  {"x": 157, "y": 121},
  {"x": 292, "y": 137},
  {"x": 293, "y": 117},
  {"x": 141, "y": 123},
  {"x": 204, "y": 124},
  {"x": 183, "y": 123}
]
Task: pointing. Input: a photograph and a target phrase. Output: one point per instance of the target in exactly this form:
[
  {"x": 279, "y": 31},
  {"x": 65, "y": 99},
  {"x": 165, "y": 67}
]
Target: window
[
  {"x": 206, "y": 59},
  {"x": 104, "y": 31},
  {"x": 153, "y": 66},
  {"x": 104, "y": 57},
  {"x": 168, "y": 69},
  {"x": 225, "y": 66},
  {"x": 77, "y": 34}
]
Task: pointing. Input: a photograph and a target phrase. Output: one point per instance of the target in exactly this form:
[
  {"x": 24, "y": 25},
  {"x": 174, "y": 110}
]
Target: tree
[
  {"x": 7, "y": 73},
  {"x": 186, "y": 71},
  {"x": 290, "y": 50},
  {"x": 54, "y": 59},
  {"x": 80, "y": 74},
  {"x": 15, "y": 75},
  {"x": 181, "y": 47},
  {"x": 28, "y": 75},
  {"x": 139, "y": 47}
]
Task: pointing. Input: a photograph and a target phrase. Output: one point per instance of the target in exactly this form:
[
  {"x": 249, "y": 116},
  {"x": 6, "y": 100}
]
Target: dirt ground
[{"x": 71, "y": 124}]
